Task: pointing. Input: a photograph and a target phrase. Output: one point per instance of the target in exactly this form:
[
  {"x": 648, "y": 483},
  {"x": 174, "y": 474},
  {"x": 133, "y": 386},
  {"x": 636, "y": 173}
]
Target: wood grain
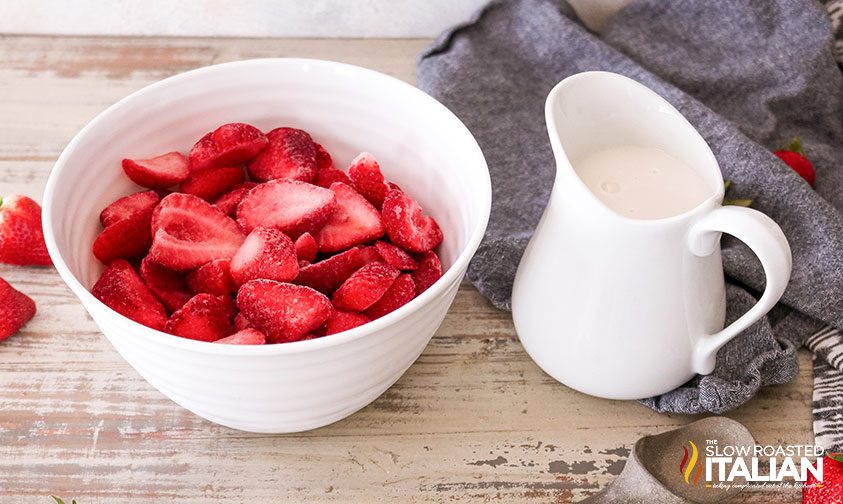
[{"x": 474, "y": 420}]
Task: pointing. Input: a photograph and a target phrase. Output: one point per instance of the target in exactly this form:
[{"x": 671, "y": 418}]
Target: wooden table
[{"x": 474, "y": 420}]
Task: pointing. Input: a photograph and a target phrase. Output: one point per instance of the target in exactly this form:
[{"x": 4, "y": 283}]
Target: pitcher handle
[{"x": 767, "y": 241}]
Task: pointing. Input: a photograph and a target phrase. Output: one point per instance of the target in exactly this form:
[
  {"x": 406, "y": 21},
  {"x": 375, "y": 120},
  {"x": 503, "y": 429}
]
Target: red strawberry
[
  {"x": 267, "y": 253},
  {"x": 128, "y": 206},
  {"x": 367, "y": 179},
  {"x": 326, "y": 173},
  {"x": 354, "y": 221},
  {"x": 283, "y": 312},
  {"x": 121, "y": 289},
  {"x": 188, "y": 232},
  {"x": 244, "y": 337},
  {"x": 406, "y": 226},
  {"x": 323, "y": 158},
  {"x": 168, "y": 286},
  {"x": 830, "y": 489},
  {"x": 327, "y": 275},
  {"x": 396, "y": 257},
  {"x": 213, "y": 182},
  {"x": 794, "y": 156},
  {"x": 402, "y": 290},
  {"x": 306, "y": 247},
  {"x": 241, "y": 322},
  {"x": 365, "y": 286},
  {"x": 227, "y": 203},
  {"x": 429, "y": 271},
  {"x": 340, "y": 321},
  {"x": 129, "y": 238},
  {"x": 212, "y": 278},
  {"x": 16, "y": 309},
  {"x": 21, "y": 236},
  {"x": 159, "y": 172},
  {"x": 227, "y": 145},
  {"x": 294, "y": 207},
  {"x": 205, "y": 318},
  {"x": 290, "y": 154}
]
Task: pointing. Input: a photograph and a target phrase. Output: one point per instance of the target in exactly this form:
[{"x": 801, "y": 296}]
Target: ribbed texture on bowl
[{"x": 293, "y": 387}]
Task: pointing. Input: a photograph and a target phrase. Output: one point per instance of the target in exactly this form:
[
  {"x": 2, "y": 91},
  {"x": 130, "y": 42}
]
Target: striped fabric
[{"x": 827, "y": 346}]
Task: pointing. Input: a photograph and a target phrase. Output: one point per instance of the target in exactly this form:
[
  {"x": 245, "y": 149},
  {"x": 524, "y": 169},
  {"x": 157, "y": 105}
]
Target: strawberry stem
[{"x": 795, "y": 145}]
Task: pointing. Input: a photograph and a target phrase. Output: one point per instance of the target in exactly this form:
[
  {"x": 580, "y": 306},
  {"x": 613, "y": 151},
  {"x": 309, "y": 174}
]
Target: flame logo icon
[{"x": 689, "y": 462}]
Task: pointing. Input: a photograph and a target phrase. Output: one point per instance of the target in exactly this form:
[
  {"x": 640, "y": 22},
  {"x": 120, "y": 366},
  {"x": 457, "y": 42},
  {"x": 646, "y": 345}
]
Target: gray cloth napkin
[{"x": 749, "y": 76}]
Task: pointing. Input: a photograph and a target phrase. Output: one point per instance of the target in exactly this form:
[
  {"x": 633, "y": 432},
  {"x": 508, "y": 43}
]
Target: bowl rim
[{"x": 483, "y": 199}]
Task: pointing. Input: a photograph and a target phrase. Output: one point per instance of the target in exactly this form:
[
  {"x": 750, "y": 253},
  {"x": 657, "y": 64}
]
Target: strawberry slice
[
  {"x": 402, "y": 290},
  {"x": 283, "y": 312},
  {"x": 121, "y": 289},
  {"x": 227, "y": 203},
  {"x": 159, "y": 172},
  {"x": 428, "y": 272},
  {"x": 244, "y": 337},
  {"x": 340, "y": 321},
  {"x": 21, "y": 236},
  {"x": 168, "y": 286},
  {"x": 406, "y": 226},
  {"x": 212, "y": 278},
  {"x": 213, "y": 182},
  {"x": 294, "y": 207},
  {"x": 396, "y": 257},
  {"x": 354, "y": 221},
  {"x": 129, "y": 238},
  {"x": 188, "y": 232},
  {"x": 267, "y": 253},
  {"x": 367, "y": 179},
  {"x": 306, "y": 247},
  {"x": 205, "y": 318},
  {"x": 16, "y": 309},
  {"x": 323, "y": 157},
  {"x": 228, "y": 145},
  {"x": 365, "y": 286},
  {"x": 326, "y": 173},
  {"x": 290, "y": 154},
  {"x": 241, "y": 322},
  {"x": 327, "y": 275},
  {"x": 128, "y": 206}
]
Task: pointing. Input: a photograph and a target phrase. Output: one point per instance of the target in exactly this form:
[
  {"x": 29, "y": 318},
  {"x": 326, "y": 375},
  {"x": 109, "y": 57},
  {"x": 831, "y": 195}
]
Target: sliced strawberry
[
  {"x": 365, "y": 286},
  {"x": 290, "y": 154},
  {"x": 402, "y": 290},
  {"x": 283, "y": 312},
  {"x": 159, "y": 172},
  {"x": 367, "y": 179},
  {"x": 340, "y": 321},
  {"x": 406, "y": 226},
  {"x": 327, "y": 176},
  {"x": 227, "y": 203},
  {"x": 306, "y": 247},
  {"x": 396, "y": 257},
  {"x": 323, "y": 157},
  {"x": 213, "y": 182},
  {"x": 241, "y": 322},
  {"x": 16, "y": 309},
  {"x": 21, "y": 236},
  {"x": 244, "y": 337},
  {"x": 122, "y": 289},
  {"x": 328, "y": 274},
  {"x": 428, "y": 272},
  {"x": 188, "y": 232},
  {"x": 168, "y": 286},
  {"x": 212, "y": 278},
  {"x": 355, "y": 221},
  {"x": 294, "y": 207},
  {"x": 128, "y": 206},
  {"x": 205, "y": 318},
  {"x": 129, "y": 238},
  {"x": 227, "y": 145},
  {"x": 267, "y": 253}
]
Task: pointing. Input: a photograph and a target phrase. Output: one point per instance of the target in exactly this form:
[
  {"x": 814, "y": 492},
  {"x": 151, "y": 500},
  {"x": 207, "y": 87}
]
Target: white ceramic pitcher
[{"x": 630, "y": 308}]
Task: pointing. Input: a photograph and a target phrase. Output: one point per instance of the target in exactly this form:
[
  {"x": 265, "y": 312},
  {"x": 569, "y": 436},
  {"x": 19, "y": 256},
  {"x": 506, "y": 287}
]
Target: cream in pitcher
[{"x": 628, "y": 308}]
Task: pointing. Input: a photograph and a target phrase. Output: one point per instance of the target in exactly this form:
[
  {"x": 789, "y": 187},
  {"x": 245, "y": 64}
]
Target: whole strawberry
[
  {"x": 794, "y": 156},
  {"x": 830, "y": 489},
  {"x": 16, "y": 309},
  {"x": 21, "y": 236}
]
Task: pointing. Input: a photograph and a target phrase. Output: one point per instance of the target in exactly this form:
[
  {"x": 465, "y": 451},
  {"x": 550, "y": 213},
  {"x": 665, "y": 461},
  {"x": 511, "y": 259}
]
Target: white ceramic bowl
[{"x": 289, "y": 387}]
